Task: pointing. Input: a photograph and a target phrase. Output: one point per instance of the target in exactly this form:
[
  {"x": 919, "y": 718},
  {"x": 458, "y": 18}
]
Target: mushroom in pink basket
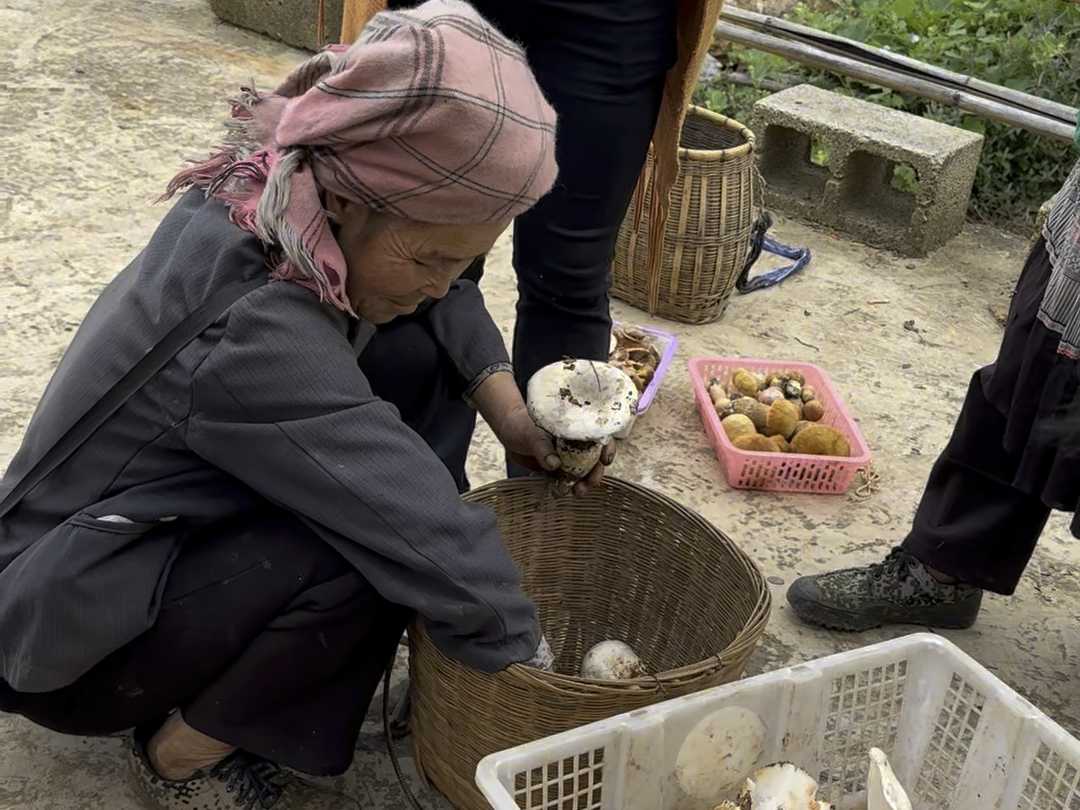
[
  {"x": 744, "y": 383},
  {"x": 720, "y": 400},
  {"x": 821, "y": 440},
  {"x": 812, "y": 411},
  {"x": 770, "y": 396},
  {"x": 781, "y": 419}
]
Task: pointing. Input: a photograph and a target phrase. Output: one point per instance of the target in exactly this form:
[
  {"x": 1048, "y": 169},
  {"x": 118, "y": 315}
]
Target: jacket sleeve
[
  {"x": 465, "y": 330},
  {"x": 280, "y": 404}
]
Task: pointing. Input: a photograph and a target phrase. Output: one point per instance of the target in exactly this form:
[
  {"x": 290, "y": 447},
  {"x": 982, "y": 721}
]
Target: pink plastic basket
[
  {"x": 666, "y": 343},
  {"x": 779, "y": 472}
]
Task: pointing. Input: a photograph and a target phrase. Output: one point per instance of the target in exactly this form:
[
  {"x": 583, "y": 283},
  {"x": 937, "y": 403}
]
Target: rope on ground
[{"x": 871, "y": 482}]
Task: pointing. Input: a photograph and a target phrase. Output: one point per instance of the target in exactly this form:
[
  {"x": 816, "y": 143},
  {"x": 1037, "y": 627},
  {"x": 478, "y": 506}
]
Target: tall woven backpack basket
[{"x": 707, "y": 234}]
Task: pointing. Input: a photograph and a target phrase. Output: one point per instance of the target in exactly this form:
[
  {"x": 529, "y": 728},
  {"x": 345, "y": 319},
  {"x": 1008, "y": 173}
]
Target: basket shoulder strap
[{"x": 150, "y": 364}]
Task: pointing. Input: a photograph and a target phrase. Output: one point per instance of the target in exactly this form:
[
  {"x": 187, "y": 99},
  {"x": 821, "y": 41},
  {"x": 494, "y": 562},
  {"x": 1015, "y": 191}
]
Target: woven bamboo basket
[
  {"x": 707, "y": 233},
  {"x": 623, "y": 563}
]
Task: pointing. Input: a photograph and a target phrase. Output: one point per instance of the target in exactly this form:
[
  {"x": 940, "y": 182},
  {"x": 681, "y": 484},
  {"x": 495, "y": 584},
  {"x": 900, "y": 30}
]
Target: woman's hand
[
  {"x": 531, "y": 447},
  {"x": 500, "y": 403}
]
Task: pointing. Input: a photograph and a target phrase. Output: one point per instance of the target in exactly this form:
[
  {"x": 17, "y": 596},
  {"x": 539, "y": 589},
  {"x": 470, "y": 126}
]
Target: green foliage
[{"x": 1028, "y": 45}]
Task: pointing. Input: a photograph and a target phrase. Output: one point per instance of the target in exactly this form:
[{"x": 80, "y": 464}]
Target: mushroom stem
[{"x": 577, "y": 460}]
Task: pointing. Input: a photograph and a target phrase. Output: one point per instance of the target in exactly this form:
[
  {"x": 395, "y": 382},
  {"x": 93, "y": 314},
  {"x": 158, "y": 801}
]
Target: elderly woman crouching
[{"x": 227, "y": 562}]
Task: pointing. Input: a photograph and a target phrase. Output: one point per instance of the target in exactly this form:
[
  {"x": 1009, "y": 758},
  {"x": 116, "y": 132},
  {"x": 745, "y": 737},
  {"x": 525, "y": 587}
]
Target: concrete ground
[{"x": 103, "y": 100}]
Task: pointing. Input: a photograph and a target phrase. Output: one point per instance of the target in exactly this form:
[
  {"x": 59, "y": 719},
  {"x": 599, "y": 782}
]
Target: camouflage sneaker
[
  {"x": 238, "y": 782},
  {"x": 898, "y": 590}
]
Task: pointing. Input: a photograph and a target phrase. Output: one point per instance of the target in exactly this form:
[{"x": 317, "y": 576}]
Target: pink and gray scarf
[{"x": 432, "y": 115}]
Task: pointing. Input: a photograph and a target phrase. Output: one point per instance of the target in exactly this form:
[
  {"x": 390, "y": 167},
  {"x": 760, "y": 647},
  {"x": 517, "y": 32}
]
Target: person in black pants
[
  {"x": 602, "y": 66},
  {"x": 1012, "y": 458}
]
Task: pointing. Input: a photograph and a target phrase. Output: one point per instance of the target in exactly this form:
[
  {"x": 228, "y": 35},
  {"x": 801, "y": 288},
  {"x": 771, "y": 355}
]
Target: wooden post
[{"x": 355, "y": 16}]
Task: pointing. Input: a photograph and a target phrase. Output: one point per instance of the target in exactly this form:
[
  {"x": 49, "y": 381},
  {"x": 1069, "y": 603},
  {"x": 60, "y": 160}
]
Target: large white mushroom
[{"x": 582, "y": 404}]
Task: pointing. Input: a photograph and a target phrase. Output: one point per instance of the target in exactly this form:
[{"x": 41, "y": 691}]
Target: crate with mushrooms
[{"x": 777, "y": 425}]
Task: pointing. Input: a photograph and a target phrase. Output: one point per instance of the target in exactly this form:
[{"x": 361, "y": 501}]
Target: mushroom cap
[
  {"x": 719, "y": 751},
  {"x": 582, "y": 400}
]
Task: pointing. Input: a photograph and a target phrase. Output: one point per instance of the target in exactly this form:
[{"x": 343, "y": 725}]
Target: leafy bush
[{"x": 1027, "y": 45}]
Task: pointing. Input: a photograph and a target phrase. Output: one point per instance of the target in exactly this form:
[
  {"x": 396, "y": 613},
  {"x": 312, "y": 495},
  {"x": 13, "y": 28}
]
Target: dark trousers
[
  {"x": 972, "y": 523},
  {"x": 601, "y": 64},
  {"x": 406, "y": 366},
  {"x": 987, "y": 498},
  {"x": 266, "y": 639}
]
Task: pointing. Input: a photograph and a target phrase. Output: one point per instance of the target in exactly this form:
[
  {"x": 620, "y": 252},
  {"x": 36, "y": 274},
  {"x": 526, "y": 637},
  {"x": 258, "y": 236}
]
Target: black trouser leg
[
  {"x": 602, "y": 66},
  {"x": 267, "y": 640},
  {"x": 405, "y": 366},
  {"x": 972, "y": 524},
  {"x": 563, "y": 248}
]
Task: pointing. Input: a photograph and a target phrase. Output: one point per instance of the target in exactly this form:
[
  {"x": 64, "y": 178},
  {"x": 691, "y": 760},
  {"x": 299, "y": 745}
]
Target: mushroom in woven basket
[
  {"x": 634, "y": 351},
  {"x": 612, "y": 661},
  {"x": 778, "y": 787},
  {"x": 582, "y": 404}
]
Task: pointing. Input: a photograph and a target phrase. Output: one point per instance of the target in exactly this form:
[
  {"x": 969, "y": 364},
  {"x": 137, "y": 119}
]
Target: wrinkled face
[{"x": 395, "y": 264}]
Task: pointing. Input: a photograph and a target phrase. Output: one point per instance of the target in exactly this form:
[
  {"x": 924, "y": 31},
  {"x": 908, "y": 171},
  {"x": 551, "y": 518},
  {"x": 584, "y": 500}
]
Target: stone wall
[{"x": 290, "y": 21}]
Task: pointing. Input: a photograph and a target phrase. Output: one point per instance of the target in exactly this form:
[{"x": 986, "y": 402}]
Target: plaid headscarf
[{"x": 432, "y": 115}]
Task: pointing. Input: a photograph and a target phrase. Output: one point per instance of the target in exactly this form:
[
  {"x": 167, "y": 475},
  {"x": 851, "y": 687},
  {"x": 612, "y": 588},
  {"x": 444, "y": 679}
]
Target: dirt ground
[{"x": 104, "y": 99}]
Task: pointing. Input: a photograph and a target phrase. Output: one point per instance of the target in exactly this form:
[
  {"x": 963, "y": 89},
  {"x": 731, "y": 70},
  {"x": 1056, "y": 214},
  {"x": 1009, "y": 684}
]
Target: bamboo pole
[
  {"x": 744, "y": 80},
  {"x": 883, "y": 77},
  {"x": 914, "y": 67}
]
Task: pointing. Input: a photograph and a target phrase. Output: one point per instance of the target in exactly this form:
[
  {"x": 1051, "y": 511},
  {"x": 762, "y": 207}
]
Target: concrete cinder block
[
  {"x": 290, "y": 21},
  {"x": 865, "y": 142}
]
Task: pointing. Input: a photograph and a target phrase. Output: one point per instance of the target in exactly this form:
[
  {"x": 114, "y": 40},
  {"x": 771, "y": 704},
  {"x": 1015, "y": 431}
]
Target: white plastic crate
[{"x": 957, "y": 737}]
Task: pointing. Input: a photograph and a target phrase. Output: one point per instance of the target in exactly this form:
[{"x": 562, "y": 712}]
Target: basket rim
[
  {"x": 698, "y": 380},
  {"x": 731, "y": 125},
  {"x": 744, "y": 642}
]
